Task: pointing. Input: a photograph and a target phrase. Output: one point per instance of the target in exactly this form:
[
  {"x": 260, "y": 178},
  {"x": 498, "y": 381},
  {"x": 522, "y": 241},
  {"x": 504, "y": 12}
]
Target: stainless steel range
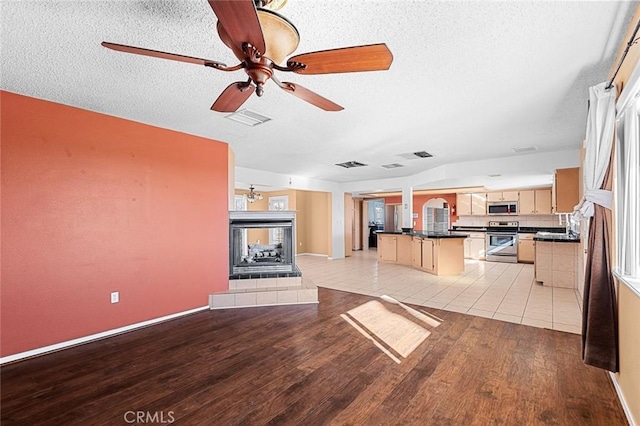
[{"x": 502, "y": 242}]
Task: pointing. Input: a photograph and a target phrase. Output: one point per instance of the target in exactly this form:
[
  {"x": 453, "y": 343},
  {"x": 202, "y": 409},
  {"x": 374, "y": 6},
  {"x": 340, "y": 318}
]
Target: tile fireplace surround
[{"x": 263, "y": 274}]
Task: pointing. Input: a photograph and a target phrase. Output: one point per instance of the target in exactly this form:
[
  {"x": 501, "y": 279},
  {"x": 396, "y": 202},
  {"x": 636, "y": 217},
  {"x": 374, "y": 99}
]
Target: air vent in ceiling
[
  {"x": 392, "y": 165},
  {"x": 248, "y": 117},
  {"x": 351, "y": 164},
  {"x": 525, "y": 150},
  {"x": 415, "y": 155}
]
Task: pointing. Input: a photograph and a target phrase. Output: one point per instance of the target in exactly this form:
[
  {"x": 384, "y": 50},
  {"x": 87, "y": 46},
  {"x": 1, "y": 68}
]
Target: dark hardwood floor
[{"x": 306, "y": 365}]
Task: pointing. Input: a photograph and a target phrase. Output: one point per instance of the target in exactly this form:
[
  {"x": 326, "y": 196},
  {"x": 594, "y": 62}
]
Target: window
[
  {"x": 627, "y": 189},
  {"x": 276, "y": 235}
]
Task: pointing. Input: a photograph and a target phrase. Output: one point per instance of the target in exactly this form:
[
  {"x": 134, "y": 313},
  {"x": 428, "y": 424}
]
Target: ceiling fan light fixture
[
  {"x": 281, "y": 37},
  {"x": 253, "y": 196}
]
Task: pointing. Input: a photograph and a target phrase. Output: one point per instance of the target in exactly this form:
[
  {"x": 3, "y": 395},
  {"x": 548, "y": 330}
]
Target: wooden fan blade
[
  {"x": 233, "y": 97},
  {"x": 240, "y": 21},
  {"x": 158, "y": 54},
  {"x": 373, "y": 57},
  {"x": 311, "y": 97}
]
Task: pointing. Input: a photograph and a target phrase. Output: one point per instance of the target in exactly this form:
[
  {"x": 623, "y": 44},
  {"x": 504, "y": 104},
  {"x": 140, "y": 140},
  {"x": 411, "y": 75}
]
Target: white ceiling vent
[
  {"x": 248, "y": 117},
  {"x": 415, "y": 155},
  {"x": 351, "y": 164},
  {"x": 525, "y": 150},
  {"x": 392, "y": 166}
]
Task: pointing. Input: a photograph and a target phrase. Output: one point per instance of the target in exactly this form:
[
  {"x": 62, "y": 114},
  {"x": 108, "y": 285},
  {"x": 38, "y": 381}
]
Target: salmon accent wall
[
  {"x": 93, "y": 204},
  {"x": 418, "y": 203}
]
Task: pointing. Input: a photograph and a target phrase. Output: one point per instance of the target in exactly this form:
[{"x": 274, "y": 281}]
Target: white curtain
[
  {"x": 598, "y": 144},
  {"x": 628, "y": 177}
]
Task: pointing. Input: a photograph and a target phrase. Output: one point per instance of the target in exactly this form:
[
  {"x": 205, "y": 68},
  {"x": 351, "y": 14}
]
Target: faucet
[{"x": 571, "y": 225}]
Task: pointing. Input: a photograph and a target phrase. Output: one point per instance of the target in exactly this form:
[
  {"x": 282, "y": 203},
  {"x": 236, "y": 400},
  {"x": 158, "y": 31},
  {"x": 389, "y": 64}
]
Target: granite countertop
[
  {"x": 521, "y": 230},
  {"x": 469, "y": 228},
  {"x": 558, "y": 237},
  {"x": 534, "y": 229},
  {"x": 426, "y": 234}
]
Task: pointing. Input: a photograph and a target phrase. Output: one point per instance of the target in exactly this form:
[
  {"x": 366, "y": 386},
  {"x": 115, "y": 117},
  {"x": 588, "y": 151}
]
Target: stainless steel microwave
[{"x": 502, "y": 208}]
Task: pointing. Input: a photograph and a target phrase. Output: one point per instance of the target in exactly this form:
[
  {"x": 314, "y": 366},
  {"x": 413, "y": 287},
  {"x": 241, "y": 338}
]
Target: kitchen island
[
  {"x": 558, "y": 259},
  {"x": 439, "y": 253}
]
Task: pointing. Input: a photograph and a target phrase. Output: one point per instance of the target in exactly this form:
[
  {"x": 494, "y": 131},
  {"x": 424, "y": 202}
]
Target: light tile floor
[{"x": 503, "y": 291}]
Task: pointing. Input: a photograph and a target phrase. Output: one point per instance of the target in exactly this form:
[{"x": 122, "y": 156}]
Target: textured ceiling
[{"x": 469, "y": 81}]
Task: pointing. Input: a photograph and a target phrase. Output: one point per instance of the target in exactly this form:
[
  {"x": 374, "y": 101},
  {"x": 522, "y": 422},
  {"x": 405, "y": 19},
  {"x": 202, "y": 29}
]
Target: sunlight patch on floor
[{"x": 395, "y": 334}]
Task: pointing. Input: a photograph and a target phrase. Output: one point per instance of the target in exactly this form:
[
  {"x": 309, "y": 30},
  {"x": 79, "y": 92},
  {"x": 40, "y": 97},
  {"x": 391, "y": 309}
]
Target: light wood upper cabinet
[
  {"x": 494, "y": 196},
  {"x": 543, "y": 201},
  {"x": 479, "y": 204},
  {"x": 471, "y": 204},
  {"x": 503, "y": 196},
  {"x": 463, "y": 204},
  {"x": 535, "y": 201},
  {"x": 527, "y": 202},
  {"x": 566, "y": 190},
  {"x": 510, "y": 195}
]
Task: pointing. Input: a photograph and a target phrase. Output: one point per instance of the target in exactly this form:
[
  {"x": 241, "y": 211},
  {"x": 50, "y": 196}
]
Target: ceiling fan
[{"x": 261, "y": 38}]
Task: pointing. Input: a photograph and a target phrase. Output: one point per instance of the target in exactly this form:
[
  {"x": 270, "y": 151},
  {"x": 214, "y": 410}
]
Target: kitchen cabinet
[
  {"x": 565, "y": 190},
  {"x": 471, "y": 204},
  {"x": 474, "y": 246},
  {"x": 387, "y": 248},
  {"x": 463, "y": 204},
  {"x": 428, "y": 255},
  {"x": 395, "y": 248},
  {"x": 526, "y": 248},
  {"x": 403, "y": 250},
  {"x": 438, "y": 256},
  {"x": 503, "y": 196},
  {"x": 443, "y": 256},
  {"x": 479, "y": 203},
  {"x": 535, "y": 201},
  {"x": 416, "y": 252}
]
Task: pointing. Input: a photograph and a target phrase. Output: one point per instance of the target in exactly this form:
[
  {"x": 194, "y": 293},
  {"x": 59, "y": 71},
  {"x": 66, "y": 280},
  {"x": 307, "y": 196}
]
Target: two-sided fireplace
[{"x": 261, "y": 244}]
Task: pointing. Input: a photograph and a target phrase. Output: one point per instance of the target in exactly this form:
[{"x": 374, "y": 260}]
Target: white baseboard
[
  {"x": 311, "y": 254},
  {"x": 97, "y": 336},
  {"x": 623, "y": 402}
]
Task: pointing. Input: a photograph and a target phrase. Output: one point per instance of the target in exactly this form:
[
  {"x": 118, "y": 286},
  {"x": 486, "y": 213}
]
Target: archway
[{"x": 435, "y": 215}]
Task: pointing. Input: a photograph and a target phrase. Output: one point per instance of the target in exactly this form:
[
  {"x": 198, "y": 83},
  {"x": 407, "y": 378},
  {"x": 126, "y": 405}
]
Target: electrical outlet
[{"x": 115, "y": 297}]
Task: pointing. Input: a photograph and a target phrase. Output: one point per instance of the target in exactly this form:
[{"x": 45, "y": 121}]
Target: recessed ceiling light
[
  {"x": 392, "y": 165},
  {"x": 525, "y": 150},
  {"x": 248, "y": 117},
  {"x": 351, "y": 164}
]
